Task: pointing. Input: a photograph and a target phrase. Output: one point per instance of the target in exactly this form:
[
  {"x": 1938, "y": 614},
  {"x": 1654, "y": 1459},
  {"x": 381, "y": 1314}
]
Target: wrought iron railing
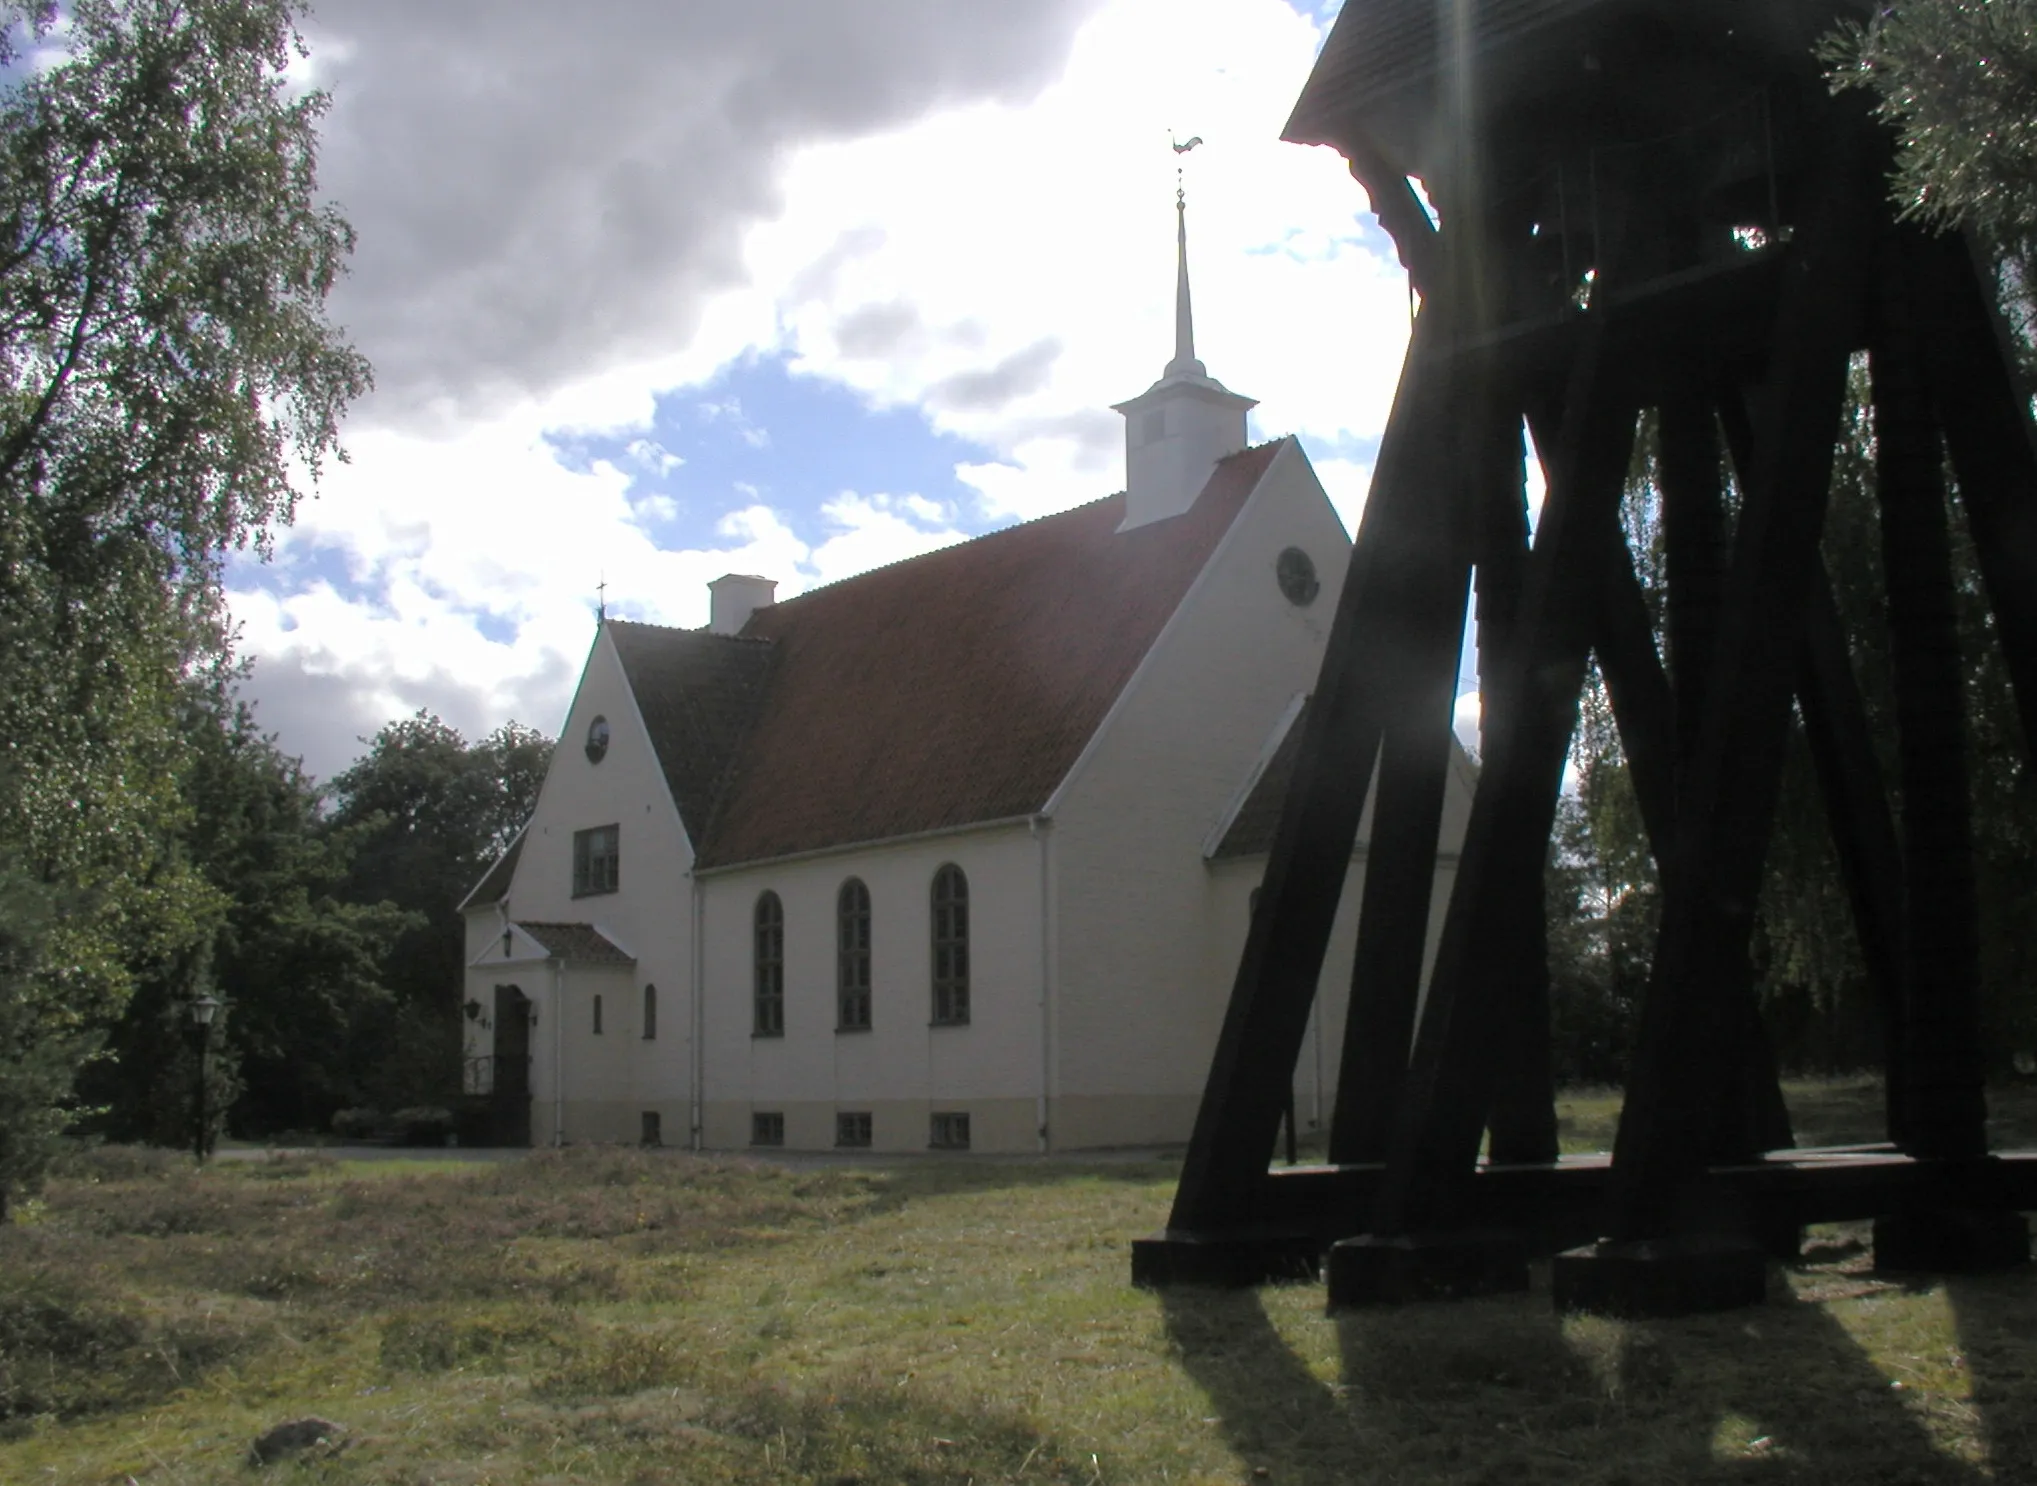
[{"x": 494, "y": 1075}]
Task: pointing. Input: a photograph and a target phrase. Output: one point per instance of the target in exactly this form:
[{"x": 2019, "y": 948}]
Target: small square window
[
  {"x": 852, "y": 1128},
  {"x": 949, "y": 1132},
  {"x": 767, "y": 1129}
]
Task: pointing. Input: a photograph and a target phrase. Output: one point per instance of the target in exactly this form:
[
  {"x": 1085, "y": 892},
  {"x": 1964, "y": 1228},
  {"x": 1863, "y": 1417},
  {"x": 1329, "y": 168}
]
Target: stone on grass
[{"x": 295, "y": 1437}]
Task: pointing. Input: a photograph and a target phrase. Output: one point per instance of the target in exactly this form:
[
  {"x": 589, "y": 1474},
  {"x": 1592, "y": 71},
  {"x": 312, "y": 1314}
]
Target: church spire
[
  {"x": 1178, "y": 428},
  {"x": 1184, "y": 362}
]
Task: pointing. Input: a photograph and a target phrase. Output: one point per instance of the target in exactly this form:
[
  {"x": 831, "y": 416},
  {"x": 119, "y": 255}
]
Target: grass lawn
[{"x": 615, "y": 1316}]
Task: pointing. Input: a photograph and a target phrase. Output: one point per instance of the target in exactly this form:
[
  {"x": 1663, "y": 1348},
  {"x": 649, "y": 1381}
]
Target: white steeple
[{"x": 1177, "y": 429}]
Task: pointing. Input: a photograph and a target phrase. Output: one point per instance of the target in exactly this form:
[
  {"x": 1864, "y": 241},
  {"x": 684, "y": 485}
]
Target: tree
[
  {"x": 37, "y": 1057},
  {"x": 165, "y": 365},
  {"x": 1957, "y": 79},
  {"x": 297, "y": 963},
  {"x": 433, "y": 813}
]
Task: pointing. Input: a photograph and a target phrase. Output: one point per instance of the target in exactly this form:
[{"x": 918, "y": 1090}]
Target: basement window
[
  {"x": 948, "y": 1132},
  {"x": 767, "y": 1127},
  {"x": 852, "y": 1129}
]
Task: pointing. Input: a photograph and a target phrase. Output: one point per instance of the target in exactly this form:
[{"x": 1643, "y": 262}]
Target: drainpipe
[
  {"x": 558, "y": 1052},
  {"x": 696, "y": 1016},
  {"x": 1316, "y": 1010},
  {"x": 1039, "y": 825}
]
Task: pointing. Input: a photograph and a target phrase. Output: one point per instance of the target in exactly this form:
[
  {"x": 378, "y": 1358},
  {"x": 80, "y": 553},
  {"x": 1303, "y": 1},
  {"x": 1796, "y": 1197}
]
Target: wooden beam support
[
  {"x": 1695, "y": 545},
  {"x": 1521, "y": 1126},
  {"x": 1944, "y": 1101},
  {"x": 1863, "y": 829},
  {"x": 1989, "y": 434},
  {"x": 1470, "y": 1024},
  {"x": 1685, "y": 1051},
  {"x": 1235, "y": 1127},
  {"x": 1414, "y": 771}
]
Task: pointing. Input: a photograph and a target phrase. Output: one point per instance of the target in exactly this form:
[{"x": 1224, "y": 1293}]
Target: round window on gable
[
  {"x": 1296, "y": 571},
  {"x": 597, "y": 740}
]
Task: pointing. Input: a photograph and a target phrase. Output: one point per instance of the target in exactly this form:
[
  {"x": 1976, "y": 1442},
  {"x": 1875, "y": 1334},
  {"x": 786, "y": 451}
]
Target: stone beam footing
[
  {"x": 1223, "y": 1261},
  {"x": 1951, "y": 1240},
  {"x": 1393, "y": 1269},
  {"x": 1660, "y": 1277}
]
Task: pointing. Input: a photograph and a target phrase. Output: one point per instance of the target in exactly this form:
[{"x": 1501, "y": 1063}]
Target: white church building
[{"x": 957, "y": 854}]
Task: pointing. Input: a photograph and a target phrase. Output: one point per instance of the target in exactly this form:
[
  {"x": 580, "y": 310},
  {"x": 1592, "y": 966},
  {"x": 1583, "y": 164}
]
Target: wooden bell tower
[{"x": 1630, "y": 205}]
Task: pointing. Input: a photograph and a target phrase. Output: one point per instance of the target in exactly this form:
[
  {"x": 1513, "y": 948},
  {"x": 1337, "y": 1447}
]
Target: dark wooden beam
[
  {"x": 1414, "y": 771},
  {"x": 1695, "y": 543},
  {"x": 1863, "y": 830},
  {"x": 1470, "y": 1025},
  {"x": 1688, "y": 1031},
  {"x": 1520, "y": 1124},
  {"x": 1988, "y": 432},
  {"x": 1944, "y": 1101},
  {"x": 1224, "y": 1170}
]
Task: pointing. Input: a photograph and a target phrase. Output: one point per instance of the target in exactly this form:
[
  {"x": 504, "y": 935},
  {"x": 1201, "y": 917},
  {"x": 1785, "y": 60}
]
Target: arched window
[
  {"x": 951, "y": 946},
  {"x": 597, "y": 1015},
  {"x": 650, "y": 1013},
  {"x": 852, "y": 957},
  {"x": 769, "y": 960}
]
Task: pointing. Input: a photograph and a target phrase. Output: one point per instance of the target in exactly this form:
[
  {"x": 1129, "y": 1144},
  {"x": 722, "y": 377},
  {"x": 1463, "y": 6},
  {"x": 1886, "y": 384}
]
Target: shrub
[
  {"x": 358, "y": 1124},
  {"x": 423, "y": 1125}
]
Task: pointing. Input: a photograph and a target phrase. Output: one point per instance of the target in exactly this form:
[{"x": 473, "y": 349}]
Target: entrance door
[{"x": 512, "y": 1066}]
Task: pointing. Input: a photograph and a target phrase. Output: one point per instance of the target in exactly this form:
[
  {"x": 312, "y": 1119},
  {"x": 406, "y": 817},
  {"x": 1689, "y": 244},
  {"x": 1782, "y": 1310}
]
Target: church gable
[{"x": 959, "y": 687}]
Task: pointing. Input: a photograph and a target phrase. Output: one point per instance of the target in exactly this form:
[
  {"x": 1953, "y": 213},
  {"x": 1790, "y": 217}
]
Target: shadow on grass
[
  {"x": 1500, "y": 1390},
  {"x": 1996, "y": 1318}
]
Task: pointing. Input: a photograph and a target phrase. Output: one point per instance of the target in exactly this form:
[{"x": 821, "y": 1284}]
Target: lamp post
[{"x": 203, "y": 1009}]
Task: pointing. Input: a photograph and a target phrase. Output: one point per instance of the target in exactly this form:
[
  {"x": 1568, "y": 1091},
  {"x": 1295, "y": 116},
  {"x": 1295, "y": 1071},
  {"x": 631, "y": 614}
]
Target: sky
[{"x": 658, "y": 292}]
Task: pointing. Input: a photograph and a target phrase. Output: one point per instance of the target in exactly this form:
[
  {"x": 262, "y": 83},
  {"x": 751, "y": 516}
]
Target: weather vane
[{"x": 1181, "y": 147}]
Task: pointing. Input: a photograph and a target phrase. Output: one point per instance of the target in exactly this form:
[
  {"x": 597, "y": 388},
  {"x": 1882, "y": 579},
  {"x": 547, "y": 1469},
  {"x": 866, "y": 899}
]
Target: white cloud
[
  {"x": 870, "y": 532},
  {"x": 653, "y": 456},
  {"x": 1003, "y": 266}
]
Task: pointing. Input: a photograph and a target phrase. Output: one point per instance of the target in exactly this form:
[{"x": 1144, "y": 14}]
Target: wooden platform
[{"x": 1549, "y": 1207}]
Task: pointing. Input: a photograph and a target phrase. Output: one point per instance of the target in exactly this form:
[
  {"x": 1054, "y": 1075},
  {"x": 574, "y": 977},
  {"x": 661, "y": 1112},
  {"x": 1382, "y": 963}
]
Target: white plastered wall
[
  {"x": 903, "y": 1069},
  {"x": 1148, "y": 934},
  {"x": 649, "y": 917},
  {"x": 1140, "y": 923}
]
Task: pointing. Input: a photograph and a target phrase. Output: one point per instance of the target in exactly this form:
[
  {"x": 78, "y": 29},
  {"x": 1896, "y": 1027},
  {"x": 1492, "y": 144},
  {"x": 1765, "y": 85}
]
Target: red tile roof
[
  {"x": 957, "y": 687},
  {"x": 1251, "y": 830},
  {"x": 579, "y": 942},
  {"x": 697, "y": 692},
  {"x": 494, "y": 884}
]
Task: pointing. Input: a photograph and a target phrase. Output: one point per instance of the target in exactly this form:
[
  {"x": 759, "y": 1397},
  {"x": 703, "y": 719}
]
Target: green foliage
[
  {"x": 1958, "y": 79},
  {"x": 40, "y": 1046},
  {"x": 165, "y": 366},
  {"x": 430, "y": 813}
]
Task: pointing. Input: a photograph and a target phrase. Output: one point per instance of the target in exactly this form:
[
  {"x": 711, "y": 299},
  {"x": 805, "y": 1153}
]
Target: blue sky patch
[{"x": 759, "y": 433}]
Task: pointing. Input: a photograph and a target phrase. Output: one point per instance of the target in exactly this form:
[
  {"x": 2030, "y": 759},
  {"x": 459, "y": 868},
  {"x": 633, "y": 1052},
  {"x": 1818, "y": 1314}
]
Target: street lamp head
[{"x": 203, "y": 1009}]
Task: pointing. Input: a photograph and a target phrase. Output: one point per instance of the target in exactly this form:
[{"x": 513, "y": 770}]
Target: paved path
[{"x": 801, "y": 1160}]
